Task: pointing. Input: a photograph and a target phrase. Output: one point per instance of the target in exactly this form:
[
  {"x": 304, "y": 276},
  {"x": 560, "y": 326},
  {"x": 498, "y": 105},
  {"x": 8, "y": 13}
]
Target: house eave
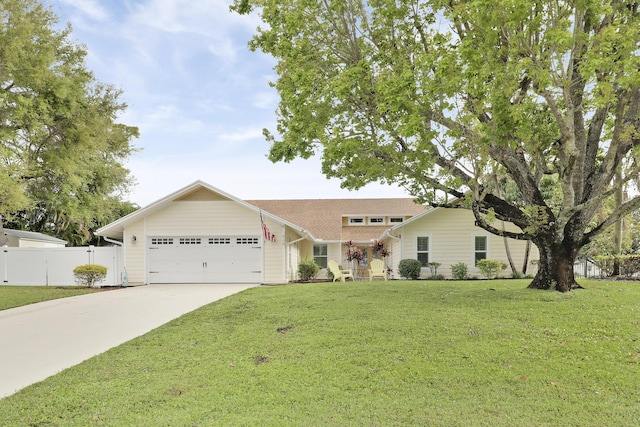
[{"x": 116, "y": 229}]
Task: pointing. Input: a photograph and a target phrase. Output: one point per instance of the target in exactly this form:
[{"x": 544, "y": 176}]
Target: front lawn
[
  {"x": 426, "y": 353},
  {"x": 16, "y": 296}
]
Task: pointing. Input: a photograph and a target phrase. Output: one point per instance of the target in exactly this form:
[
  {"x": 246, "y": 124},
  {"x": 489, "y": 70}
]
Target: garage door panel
[{"x": 216, "y": 259}]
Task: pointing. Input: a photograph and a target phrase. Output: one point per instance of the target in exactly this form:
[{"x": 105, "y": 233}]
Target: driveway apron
[{"x": 40, "y": 340}]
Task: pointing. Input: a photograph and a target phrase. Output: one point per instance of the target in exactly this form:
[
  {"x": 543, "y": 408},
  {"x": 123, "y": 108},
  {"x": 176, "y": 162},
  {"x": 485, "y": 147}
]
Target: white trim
[
  {"x": 313, "y": 246},
  {"x": 116, "y": 228},
  {"x": 145, "y": 255},
  {"x": 473, "y": 246},
  {"x": 417, "y": 217},
  {"x": 285, "y": 249},
  {"x": 429, "y": 251}
]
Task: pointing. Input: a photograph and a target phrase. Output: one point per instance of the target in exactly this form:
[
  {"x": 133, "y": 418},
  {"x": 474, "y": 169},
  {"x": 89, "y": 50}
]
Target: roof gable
[
  {"x": 323, "y": 217},
  {"x": 197, "y": 191},
  {"x": 418, "y": 217},
  {"x": 455, "y": 204},
  {"x": 316, "y": 218},
  {"x": 201, "y": 194}
]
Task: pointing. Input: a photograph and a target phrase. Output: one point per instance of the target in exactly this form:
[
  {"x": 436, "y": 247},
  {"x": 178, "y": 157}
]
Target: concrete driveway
[{"x": 40, "y": 340}]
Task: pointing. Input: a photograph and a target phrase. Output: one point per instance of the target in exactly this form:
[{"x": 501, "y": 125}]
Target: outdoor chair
[
  {"x": 377, "y": 269},
  {"x": 339, "y": 273}
]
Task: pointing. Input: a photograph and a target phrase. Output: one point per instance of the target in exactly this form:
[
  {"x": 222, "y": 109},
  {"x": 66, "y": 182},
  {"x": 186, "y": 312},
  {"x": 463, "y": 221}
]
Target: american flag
[{"x": 265, "y": 230}]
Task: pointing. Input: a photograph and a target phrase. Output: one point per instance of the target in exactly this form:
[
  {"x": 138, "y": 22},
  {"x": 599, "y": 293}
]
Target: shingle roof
[{"x": 323, "y": 217}]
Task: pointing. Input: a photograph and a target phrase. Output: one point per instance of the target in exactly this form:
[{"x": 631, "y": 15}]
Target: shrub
[
  {"x": 629, "y": 264},
  {"x": 307, "y": 269},
  {"x": 490, "y": 268},
  {"x": 433, "y": 266},
  {"x": 459, "y": 271},
  {"x": 409, "y": 268},
  {"x": 89, "y": 274}
]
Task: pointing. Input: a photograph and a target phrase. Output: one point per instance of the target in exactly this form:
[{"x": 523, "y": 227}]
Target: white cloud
[
  {"x": 213, "y": 105},
  {"x": 187, "y": 16},
  {"x": 265, "y": 100},
  {"x": 224, "y": 49},
  {"x": 242, "y": 136},
  {"x": 90, "y": 8},
  {"x": 198, "y": 96},
  {"x": 248, "y": 178}
]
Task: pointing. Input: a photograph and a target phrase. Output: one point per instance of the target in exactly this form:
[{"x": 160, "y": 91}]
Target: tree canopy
[
  {"x": 451, "y": 98},
  {"x": 61, "y": 147}
]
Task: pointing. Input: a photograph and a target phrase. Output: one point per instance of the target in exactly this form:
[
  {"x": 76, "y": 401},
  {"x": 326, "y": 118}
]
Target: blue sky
[{"x": 198, "y": 95}]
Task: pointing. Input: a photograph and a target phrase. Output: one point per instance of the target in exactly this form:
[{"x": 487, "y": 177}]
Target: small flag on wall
[{"x": 268, "y": 236}]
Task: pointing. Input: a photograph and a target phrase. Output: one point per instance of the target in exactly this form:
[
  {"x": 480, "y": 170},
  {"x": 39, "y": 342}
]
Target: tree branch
[
  {"x": 482, "y": 223},
  {"x": 624, "y": 209}
]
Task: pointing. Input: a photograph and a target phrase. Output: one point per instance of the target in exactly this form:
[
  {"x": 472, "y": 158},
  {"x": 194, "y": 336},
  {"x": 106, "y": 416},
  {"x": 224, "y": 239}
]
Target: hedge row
[{"x": 629, "y": 264}]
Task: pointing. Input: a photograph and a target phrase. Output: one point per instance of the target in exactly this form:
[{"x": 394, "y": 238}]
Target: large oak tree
[
  {"x": 61, "y": 147},
  {"x": 453, "y": 98}
]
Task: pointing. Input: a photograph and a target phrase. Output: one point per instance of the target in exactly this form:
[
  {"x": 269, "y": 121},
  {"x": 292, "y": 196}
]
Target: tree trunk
[
  {"x": 555, "y": 270},
  {"x": 526, "y": 257},
  {"x": 505, "y": 239},
  {"x": 3, "y": 237},
  {"x": 617, "y": 228},
  {"x": 617, "y": 247}
]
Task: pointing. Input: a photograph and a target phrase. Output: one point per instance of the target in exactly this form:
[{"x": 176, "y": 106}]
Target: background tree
[
  {"x": 61, "y": 148},
  {"x": 446, "y": 97},
  {"x": 617, "y": 240}
]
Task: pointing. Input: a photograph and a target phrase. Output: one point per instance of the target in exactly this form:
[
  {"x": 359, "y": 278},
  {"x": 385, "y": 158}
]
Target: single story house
[
  {"x": 200, "y": 234},
  {"x": 449, "y": 236},
  {"x": 30, "y": 239}
]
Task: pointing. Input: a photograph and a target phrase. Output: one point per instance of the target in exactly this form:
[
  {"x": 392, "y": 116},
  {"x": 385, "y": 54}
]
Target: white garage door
[{"x": 209, "y": 259}]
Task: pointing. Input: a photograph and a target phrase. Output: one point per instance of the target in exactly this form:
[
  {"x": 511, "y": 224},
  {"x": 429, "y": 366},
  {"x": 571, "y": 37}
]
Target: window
[
  {"x": 480, "y": 248},
  {"x": 219, "y": 241},
  {"x": 396, "y": 220},
  {"x": 320, "y": 255},
  {"x": 247, "y": 241},
  {"x": 423, "y": 250},
  {"x": 376, "y": 220},
  {"x": 356, "y": 220},
  {"x": 190, "y": 241},
  {"x": 162, "y": 241}
]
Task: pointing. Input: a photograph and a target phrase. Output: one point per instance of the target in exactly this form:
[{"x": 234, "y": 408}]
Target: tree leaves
[
  {"x": 61, "y": 147},
  {"x": 443, "y": 97}
]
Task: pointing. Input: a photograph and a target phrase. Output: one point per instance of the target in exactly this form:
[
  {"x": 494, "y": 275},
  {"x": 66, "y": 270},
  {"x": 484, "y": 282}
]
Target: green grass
[
  {"x": 16, "y": 296},
  {"x": 478, "y": 353}
]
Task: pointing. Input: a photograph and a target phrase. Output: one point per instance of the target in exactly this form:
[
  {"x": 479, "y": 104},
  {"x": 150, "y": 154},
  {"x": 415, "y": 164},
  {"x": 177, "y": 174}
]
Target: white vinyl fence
[
  {"x": 586, "y": 267},
  {"x": 54, "y": 266}
]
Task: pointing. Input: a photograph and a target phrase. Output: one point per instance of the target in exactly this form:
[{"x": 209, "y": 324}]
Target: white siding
[
  {"x": 452, "y": 233},
  {"x": 203, "y": 218},
  {"x": 274, "y": 261},
  {"x": 334, "y": 252},
  {"x": 394, "y": 246},
  {"x": 16, "y": 242},
  {"x": 193, "y": 218},
  {"x": 134, "y": 253},
  {"x": 293, "y": 255}
]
